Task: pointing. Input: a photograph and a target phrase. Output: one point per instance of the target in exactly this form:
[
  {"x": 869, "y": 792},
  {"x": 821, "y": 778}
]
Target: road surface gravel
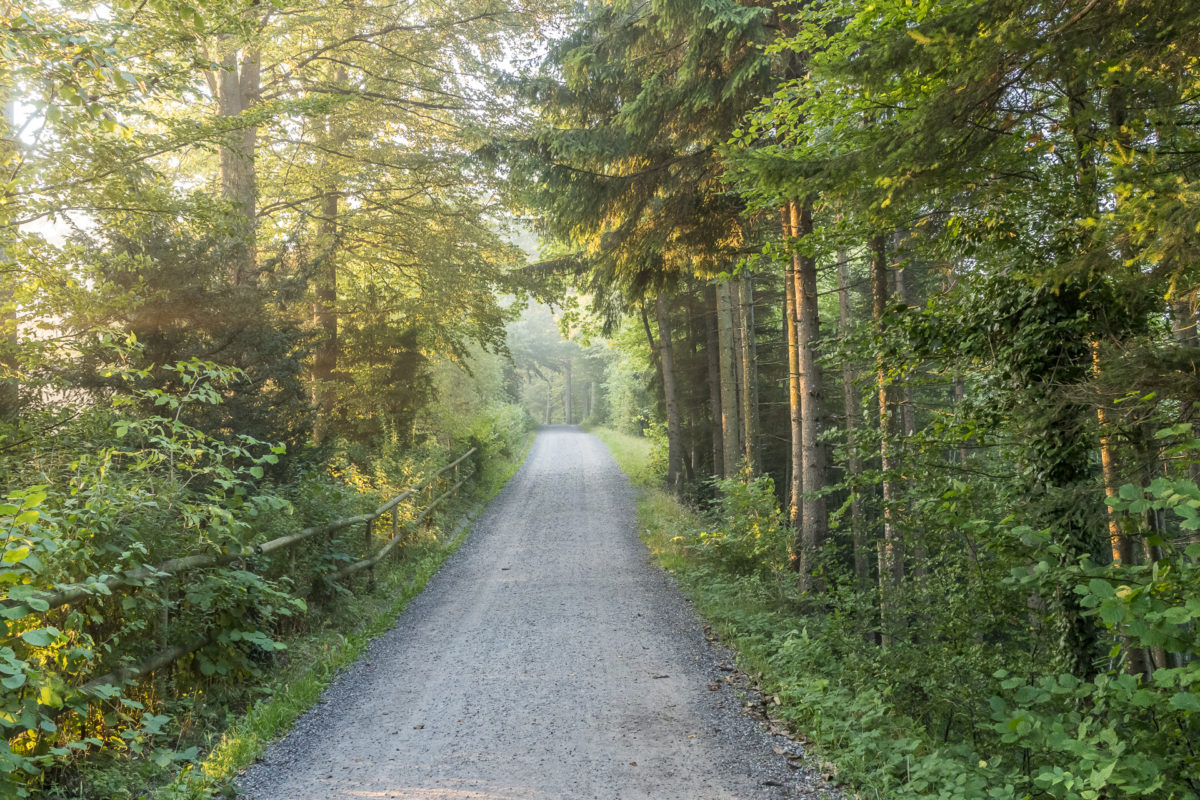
[{"x": 547, "y": 659}]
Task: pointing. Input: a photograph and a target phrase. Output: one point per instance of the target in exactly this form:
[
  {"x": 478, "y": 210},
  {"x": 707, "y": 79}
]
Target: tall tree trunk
[
  {"x": 674, "y": 430},
  {"x": 237, "y": 89},
  {"x": 549, "y": 402},
  {"x": 749, "y": 361},
  {"x": 862, "y": 554},
  {"x": 325, "y": 315},
  {"x": 712, "y": 351},
  {"x": 796, "y": 470},
  {"x": 731, "y": 447},
  {"x": 891, "y": 556},
  {"x": 814, "y": 515}
]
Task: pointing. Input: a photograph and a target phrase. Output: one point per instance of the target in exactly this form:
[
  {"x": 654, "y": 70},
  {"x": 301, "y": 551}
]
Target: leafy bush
[
  {"x": 963, "y": 710},
  {"x": 747, "y": 533}
]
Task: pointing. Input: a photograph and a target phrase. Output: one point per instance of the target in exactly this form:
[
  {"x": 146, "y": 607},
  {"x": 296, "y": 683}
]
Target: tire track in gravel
[{"x": 547, "y": 659}]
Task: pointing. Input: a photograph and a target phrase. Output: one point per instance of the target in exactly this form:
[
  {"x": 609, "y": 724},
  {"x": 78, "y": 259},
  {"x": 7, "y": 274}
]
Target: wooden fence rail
[{"x": 67, "y": 595}]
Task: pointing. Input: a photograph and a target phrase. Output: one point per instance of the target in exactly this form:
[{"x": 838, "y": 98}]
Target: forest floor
[{"x": 547, "y": 659}]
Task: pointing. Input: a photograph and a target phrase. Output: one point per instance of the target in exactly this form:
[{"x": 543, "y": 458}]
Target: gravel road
[{"x": 547, "y": 659}]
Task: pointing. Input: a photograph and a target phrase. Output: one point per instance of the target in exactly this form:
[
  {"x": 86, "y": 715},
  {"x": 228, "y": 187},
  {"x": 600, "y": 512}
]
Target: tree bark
[
  {"x": 1184, "y": 324},
  {"x": 891, "y": 556},
  {"x": 1121, "y": 546},
  {"x": 325, "y": 315},
  {"x": 796, "y": 482},
  {"x": 674, "y": 431},
  {"x": 735, "y": 308},
  {"x": 568, "y": 415},
  {"x": 858, "y": 532},
  {"x": 714, "y": 380},
  {"x": 238, "y": 88},
  {"x": 749, "y": 361},
  {"x": 908, "y": 420},
  {"x": 731, "y": 447},
  {"x": 814, "y": 514}
]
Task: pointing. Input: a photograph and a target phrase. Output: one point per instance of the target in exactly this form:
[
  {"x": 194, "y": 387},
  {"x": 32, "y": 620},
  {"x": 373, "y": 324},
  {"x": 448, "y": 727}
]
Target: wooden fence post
[{"x": 396, "y": 529}]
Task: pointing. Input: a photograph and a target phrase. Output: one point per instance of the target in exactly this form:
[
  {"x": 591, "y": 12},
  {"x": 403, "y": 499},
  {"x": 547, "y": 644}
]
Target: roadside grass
[{"x": 314, "y": 660}]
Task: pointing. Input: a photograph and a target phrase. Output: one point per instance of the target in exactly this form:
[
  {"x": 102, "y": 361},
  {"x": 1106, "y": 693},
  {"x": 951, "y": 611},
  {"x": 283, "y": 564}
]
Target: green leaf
[
  {"x": 15, "y": 555},
  {"x": 1185, "y": 701},
  {"x": 13, "y": 681},
  {"x": 33, "y": 500},
  {"x": 42, "y": 637}
]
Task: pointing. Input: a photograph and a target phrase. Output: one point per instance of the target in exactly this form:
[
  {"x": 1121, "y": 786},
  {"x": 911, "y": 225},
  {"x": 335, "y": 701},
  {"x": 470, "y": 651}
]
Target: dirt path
[{"x": 547, "y": 659}]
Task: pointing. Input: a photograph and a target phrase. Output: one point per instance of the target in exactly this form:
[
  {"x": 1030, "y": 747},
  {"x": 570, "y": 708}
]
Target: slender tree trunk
[
  {"x": 731, "y": 447},
  {"x": 814, "y": 515},
  {"x": 549, "y": 402},
  {"x": 739, "y": 373},
  {"x": 749, "y": 361},
  {"x": 10, "y": 153},
  {"x": 796, "y": 469},
  {"x": 891, "y": 556},
  {"x": 568, "y": 391},
  {"x": 674, "y": 432},
  {"x": 960, "y": 395},
  {"x": 1122, "y": 547},
  {"x": 908, "y": 412},
  {"x": 712, "y": 352},
  {"x": 862, "y": 555},
  {"x": 908, "y": 424},
  {"x": 1184, "y": 329}
]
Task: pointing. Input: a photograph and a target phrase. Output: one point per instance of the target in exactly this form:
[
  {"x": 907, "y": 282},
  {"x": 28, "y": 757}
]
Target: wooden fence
[{"x": 70, "y": 594}]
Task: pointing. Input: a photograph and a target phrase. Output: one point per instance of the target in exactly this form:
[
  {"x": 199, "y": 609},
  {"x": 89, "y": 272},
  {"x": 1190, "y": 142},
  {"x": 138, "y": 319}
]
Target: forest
[{"x": 889, "y": 308}]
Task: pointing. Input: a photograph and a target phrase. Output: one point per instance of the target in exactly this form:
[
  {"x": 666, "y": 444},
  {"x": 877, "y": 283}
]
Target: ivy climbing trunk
[{"x": 891, "y": 555}]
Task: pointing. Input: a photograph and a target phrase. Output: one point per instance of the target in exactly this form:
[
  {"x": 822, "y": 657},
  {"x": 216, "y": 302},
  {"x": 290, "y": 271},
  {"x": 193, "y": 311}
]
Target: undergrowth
[
  {"x": 216, "y": 735},
  {"x": 940, "y": 713}
]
